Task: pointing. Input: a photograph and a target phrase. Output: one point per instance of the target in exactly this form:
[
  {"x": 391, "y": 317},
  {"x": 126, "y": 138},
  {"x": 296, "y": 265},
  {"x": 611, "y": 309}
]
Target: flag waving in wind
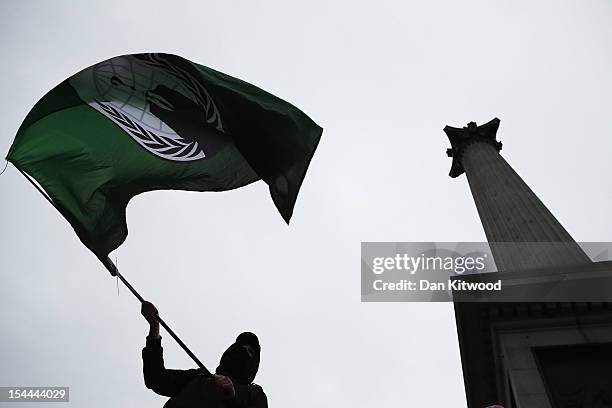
[{"x": 143, "y": 122}]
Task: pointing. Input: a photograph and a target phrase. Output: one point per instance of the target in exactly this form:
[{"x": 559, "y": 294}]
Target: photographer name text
[{"x": 425, "y": 285}]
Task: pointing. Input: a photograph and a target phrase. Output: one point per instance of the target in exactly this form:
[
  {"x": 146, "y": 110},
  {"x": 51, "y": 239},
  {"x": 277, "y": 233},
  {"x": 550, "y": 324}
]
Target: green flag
[{"x": 143, "y": 122}]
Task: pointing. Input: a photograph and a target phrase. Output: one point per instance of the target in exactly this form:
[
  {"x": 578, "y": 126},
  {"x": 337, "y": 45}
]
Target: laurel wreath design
[
  {"x": 166, "y": 147},
  {"x": 160, "y": 144}
]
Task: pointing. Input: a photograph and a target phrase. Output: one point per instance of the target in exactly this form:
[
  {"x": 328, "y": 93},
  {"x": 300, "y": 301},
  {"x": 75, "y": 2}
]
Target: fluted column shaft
[
  {"x": 510, "y": 212},
  {"x": 521, "y": 231}
]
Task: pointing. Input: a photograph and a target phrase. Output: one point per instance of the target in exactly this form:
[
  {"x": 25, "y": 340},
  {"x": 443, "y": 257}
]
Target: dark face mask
[{"x": 240, "y": 362}]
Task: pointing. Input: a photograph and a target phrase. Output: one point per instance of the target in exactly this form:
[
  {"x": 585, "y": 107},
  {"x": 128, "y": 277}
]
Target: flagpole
[{"x": 114, "y": 271}]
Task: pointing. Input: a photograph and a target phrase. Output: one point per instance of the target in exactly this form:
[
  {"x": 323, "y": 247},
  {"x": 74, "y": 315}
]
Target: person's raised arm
[{"x": 161, "y": 380}]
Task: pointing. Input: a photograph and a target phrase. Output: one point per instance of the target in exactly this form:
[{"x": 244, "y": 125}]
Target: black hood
[{"x": 241, "y": 363}]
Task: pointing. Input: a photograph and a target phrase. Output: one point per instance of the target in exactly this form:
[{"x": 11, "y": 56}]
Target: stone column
[{"x": 509, "y": 211}]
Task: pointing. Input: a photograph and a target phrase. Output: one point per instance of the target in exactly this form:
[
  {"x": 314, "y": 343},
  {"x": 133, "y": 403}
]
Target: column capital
[{"x": 460, "y": 138}]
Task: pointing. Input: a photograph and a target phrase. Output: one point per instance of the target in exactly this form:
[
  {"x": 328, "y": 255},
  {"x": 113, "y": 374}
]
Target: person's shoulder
[
  {"x": 259, "y": 397},
  {"x": 255, "y": 386},
  {"x": 256, "y": 392},
  {"x": 254, "y": 389},
  {"x": 249, "y": 395}
]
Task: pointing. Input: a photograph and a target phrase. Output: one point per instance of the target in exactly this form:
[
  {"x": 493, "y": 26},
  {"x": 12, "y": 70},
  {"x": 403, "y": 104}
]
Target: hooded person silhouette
[{"x": 231, "y": 387}]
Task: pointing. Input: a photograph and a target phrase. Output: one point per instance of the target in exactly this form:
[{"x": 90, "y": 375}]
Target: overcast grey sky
[{"x": 382, "y": 78}]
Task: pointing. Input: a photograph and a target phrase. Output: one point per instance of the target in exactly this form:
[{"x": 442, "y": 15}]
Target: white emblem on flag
[{"x": 157, "y": 102}]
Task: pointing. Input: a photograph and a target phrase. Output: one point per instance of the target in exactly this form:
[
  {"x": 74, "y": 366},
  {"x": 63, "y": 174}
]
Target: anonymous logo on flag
[
  {"x": 157, "y": 102},
  {"x": 145, "y": 122}
]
